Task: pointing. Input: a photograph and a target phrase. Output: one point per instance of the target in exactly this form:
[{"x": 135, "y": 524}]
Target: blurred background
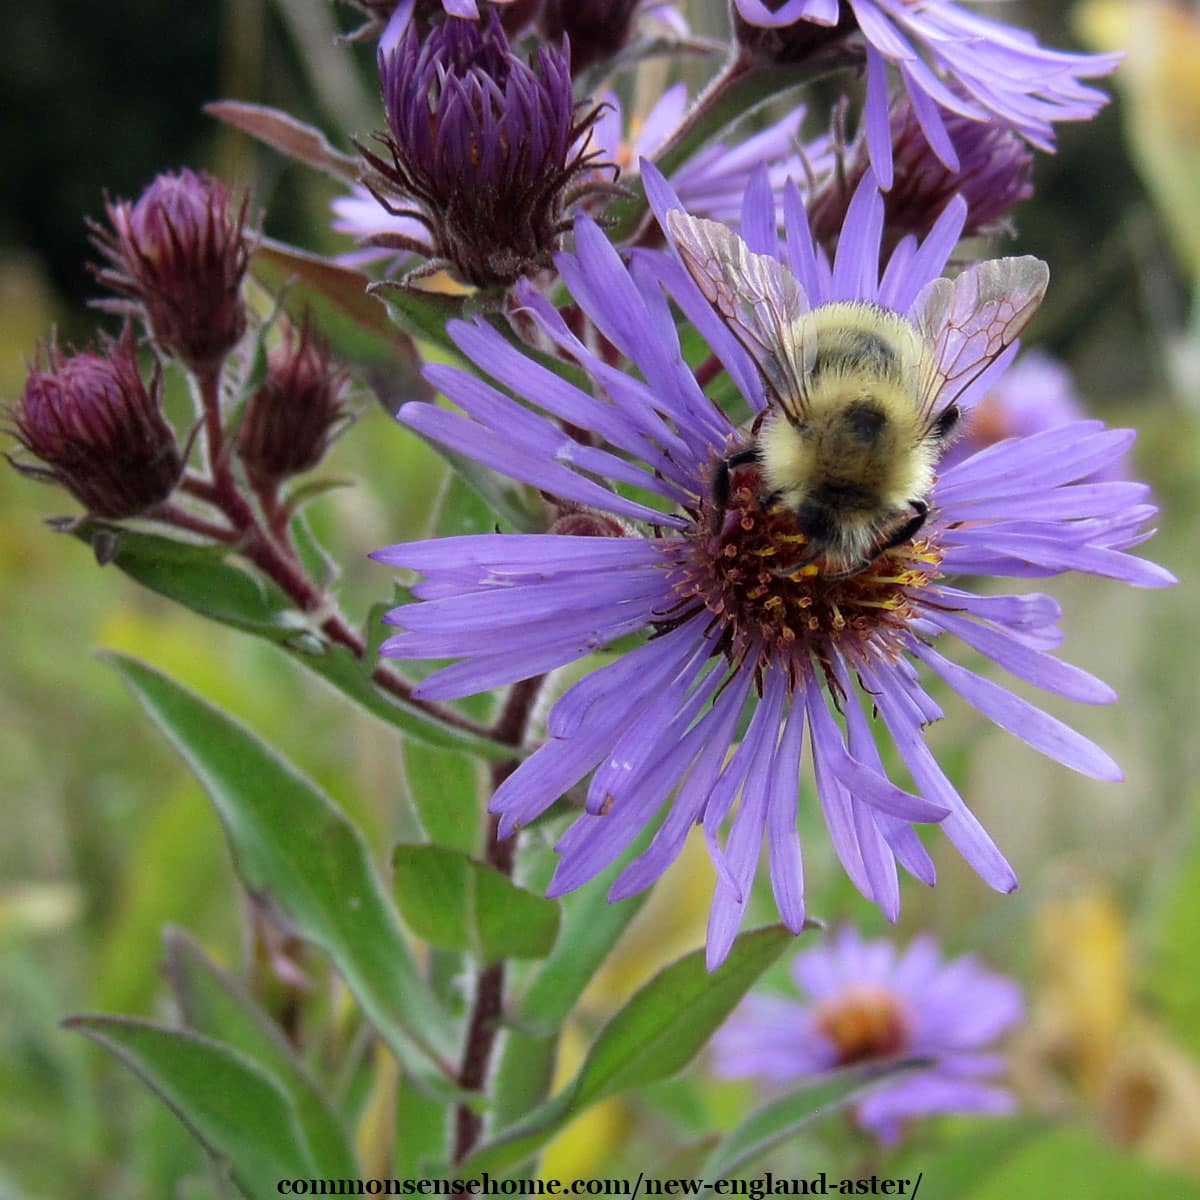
[{"x": 107, "y": 839}]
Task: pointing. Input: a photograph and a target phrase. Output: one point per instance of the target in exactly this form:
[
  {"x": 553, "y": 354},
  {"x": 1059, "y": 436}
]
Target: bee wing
[
  {"x": 968, "y": 321},
  {"x": 758, "y": 298}
]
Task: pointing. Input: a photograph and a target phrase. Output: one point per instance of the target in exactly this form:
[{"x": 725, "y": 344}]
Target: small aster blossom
[
  {"x": 995, "y": 173},
  {"x": 862, "y": 1000},
  {"x": 1036, "y": 394},
  {"x": 729, "y": 637},
  {"x": 948, "y": 59},
  {"x": 482, "y": 149},
  {"x": 712, "y": 182},
  {"x": 98, "y": 430},
  {"x": 181, "y": 253}
]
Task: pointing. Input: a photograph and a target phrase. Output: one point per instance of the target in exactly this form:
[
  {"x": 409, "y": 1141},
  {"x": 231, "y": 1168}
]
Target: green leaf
[
  {"x": 457, "y": 903},
  {"x": 422, "y": 1132},
  {"x": 355, "y": 323},
  {"x": 283, "y": 132},
  {"x": 290, "y": 841},
  {"x": 783, "y": 1118},
  {"x": 659, "y": 1031},
  {"x": 423, "y": 314},
  {"x": 216, "y": 1005},
  {"x": 444, "y": 787},
  {"x": 232, "y": 1107},
  {"x": 1064, "y": 1162},
  {"x": 200, "y": 578}
]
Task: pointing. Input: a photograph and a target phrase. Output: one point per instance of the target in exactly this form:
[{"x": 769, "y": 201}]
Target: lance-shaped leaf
[
  {"x": 284, "y": 133},
  {"x": 201, "y": 578},
  {"x": 785, "y": 1117},
  {"x": 217, "y": 1006},
  {"x": 421, "y": 312},
  {"x": 291, "y": 843},
  {"x": 656, "y": 1034},
  {"x": 451, "y": 900},
  {"x": 230, "y": 1105}
]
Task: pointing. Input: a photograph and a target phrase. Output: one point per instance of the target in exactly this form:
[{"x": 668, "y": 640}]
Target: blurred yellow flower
[{"x": 1160, "y": 86}]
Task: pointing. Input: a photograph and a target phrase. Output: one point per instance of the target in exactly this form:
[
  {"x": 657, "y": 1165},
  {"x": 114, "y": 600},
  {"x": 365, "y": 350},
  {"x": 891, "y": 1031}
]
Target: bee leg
[
  {"x": 719, "y": 487},
  {"x": 946, "y": 422},
  {"x": 901, "y": 534},
  {"x": 910, "y": 528}
]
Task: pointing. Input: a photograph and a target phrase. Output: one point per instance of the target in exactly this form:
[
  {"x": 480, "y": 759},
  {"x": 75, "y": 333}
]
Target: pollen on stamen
[{"x": 777, "y": 611}]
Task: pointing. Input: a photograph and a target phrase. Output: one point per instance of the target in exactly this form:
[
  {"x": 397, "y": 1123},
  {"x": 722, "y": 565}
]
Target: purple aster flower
[
  {"x": 731, "y": 630},
  {"x": 995, "y": 173},
  {"x": 482, "y": 150},
  {"x": 1036, "y": 394},
  {"x": 864, "y": 1001},
  {"x": 948, "y": 59},
  {"x": 98, "y": 430}
]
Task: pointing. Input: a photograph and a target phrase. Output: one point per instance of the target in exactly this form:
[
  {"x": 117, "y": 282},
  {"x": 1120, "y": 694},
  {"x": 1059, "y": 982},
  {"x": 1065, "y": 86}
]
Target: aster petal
[
  {"x": 758, "y": 214},
  {"x": 744, "y": 845},
  {"x": 820, "y": 12},
  {"x": 961, "y": 826},
  {"x": 783, "y": 835},
  {"x": 856, "y": 264},
  {"x": 1018, "y": 659},
  {"x": 877, "y": 119},
  {"x": 714, "y": 735},
  {"x": 532, "y": 464},
  {"x": 930, "y": 120},
  {"x": 808, "y": 264},
  {"x": 1020, "y": 718}
]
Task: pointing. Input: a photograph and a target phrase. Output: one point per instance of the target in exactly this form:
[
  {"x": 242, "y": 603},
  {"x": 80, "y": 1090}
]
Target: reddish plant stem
[
  {"x": 273, "y": 554},
  {"x": 181, "y": 518},
  {"x": 488, "y": 1003}
]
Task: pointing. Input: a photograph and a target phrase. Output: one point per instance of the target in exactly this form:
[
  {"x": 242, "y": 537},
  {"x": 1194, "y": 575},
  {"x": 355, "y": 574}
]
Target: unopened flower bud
[
  {"x": 98, "y": 429},
  {"x": 293, "y": 416},
  {"x": 181, "y": 251},
  {"x": 995, "y": 173},
  {"x": 482, "y": 148},
  {"x": 597, "y": 29}
]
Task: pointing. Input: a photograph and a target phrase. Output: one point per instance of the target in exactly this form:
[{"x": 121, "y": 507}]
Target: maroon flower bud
[
  {"x": 181, "y": 252},
  {"x": 597, "y": 29},
  {"x": 292, "y": 418},
  {"x": 99, "y": 431},
  {"x": 995, "y": 173}
]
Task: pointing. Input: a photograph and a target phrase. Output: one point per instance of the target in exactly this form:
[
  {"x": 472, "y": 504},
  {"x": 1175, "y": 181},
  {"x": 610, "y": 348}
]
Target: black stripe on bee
[{"x": 855, "y": 349}]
